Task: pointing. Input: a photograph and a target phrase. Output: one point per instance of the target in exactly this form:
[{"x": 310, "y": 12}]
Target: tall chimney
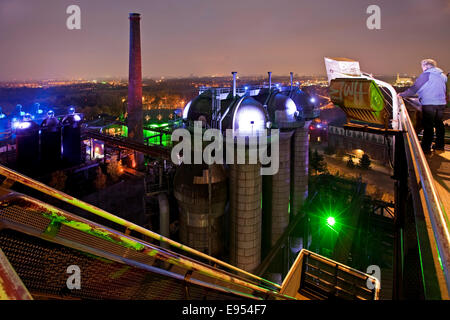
[
  {"x": 270, "y": 79},
  {"x": 234, "y": 83},
  {"x": 135, "y": 121}
]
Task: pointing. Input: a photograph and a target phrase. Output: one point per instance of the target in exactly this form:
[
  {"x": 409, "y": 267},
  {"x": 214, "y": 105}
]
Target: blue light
[
  {"x": 76, "y": 117},
  {"x": 246, "y": 88},
  {"x": 23, "y": 125},
  {"x": 250, "y": 120},
  {"x": 186, "y": 110},
  {"x": 313, "y": 100},
  {"x": 72, "y": 110},
  {"x": 2, "y": 116}
]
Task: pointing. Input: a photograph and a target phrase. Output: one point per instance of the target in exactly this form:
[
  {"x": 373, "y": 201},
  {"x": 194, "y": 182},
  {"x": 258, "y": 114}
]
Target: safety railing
[
  {"x": 317, "y": 277},
  {"x": 433, "y": 209}
]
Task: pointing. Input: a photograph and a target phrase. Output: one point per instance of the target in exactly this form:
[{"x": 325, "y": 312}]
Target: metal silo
[
  {"x": 50, "y": 142},
  {"x": 27, "y": 144},
  {"x": 201, "y": 192},
  {"x": 5, "y": 127},
  {"x": 300, "y": 149},
  {"x": 247, "y": 118},
  {"x": 285, "y": 117},
  {"x": 71, "y": 138}
]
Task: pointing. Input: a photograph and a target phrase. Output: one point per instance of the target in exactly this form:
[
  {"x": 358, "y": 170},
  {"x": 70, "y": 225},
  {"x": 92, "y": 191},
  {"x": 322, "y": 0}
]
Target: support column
[{"x": 245, "y": 204}]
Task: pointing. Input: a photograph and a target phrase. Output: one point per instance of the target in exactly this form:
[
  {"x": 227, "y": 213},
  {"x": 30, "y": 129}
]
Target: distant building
[
  {"x": 376, "y": 146},
  {"x": 403, "y": 82}
]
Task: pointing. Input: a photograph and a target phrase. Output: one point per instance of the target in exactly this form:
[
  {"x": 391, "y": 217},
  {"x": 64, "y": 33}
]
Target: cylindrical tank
[
  {"x": 50, "y": 141},
  {"x": 201, "y": 226},
  {"x": 38, "y": 113},
  {"x": 276, "y": 191},
  {"x": 5, "y": 127},
  {"x": 283, "y": 115},
  {"x": 247, "y": 119},
  {"x": 299, "y": 168},
  {"x": 71, "y": 138},
  {"x": 245, "y": 206},
  {"x": 300, "y": 148},
  {"x": 27, "y": 145}
]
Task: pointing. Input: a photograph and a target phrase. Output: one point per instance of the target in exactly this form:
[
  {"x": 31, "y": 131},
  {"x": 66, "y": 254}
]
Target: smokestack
[
  {"x": 292, "y": 79},
  {"x": 135, "y": 122},
  {"x": 270, "y": 79},
  {"x": 234, "y": 83}
]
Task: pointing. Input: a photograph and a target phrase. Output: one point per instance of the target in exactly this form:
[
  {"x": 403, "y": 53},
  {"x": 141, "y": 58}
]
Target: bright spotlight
[{"x": 331, "y": 221}]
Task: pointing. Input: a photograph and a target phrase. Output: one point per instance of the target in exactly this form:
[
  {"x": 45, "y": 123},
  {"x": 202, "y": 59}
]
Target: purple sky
[{"x": 206, "y": 37}]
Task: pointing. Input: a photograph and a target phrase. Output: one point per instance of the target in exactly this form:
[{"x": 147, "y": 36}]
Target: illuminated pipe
[
  {"x": 234, "y": 83},
  {"x": 13, "y": 175},
  {"x": 270, "y": 79}
]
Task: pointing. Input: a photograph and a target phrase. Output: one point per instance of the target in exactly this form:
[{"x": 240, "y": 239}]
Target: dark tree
[
  {"x": 365, "y": 162},
  {"x": 317, "y": 163}
]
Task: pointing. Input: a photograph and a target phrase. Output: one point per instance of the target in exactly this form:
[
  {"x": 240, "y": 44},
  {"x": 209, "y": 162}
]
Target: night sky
[{"x": 207, "y": 37}]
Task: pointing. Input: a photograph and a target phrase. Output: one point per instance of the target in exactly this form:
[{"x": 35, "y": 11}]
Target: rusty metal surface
[
  {"x": 38, "y": 219},
  {"x": 11, "y": 286},
  {"x": 13, "y": 175}
]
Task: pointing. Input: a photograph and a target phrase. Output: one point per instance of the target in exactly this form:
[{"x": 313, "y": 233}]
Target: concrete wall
[{"x": 245, "y": 206}]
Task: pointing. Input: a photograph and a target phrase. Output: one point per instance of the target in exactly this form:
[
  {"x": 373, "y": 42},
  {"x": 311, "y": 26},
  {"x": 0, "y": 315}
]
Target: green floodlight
[{"x": 331, "y": 221}]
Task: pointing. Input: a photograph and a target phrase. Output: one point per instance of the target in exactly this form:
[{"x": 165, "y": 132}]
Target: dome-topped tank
[
  {"x": 191, "y": 189},
  {"x": 5, "y": 126},
  {"x": 27, "y": 144},
  {"x": 50, "y": 141},
  {"x": 72, "y": 137},
  {"x": 304, "y": 101},
  {"x": 248, "y": 117},
  {"x": 282, "y": 111},
  {"x": 200, "y": 108},
  {"x": 38, "y": 113}
]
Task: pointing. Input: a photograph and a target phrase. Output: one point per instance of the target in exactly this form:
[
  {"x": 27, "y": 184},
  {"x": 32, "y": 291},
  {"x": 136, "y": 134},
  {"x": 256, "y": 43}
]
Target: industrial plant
[{"x": 106, "y": 196}]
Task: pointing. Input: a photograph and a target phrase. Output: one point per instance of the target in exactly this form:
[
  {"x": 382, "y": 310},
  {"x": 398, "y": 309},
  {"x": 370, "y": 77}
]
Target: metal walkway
[
  {"x": 41, "y": 241},
  {"x": 152, "y": 150}
]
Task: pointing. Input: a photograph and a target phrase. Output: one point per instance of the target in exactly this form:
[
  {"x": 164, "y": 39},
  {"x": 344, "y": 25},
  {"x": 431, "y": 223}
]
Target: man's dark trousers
[{"x": 432, "y": 118}]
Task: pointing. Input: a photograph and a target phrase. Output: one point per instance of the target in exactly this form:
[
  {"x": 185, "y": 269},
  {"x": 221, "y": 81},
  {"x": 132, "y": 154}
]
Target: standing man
[{"x": 431, "y": 87}]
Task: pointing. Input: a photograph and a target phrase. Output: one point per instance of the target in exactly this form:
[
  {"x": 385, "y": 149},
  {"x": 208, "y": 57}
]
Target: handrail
[
  {"x": 299, "y": 263},
  {"x": 434, "y": 208},
  {"x": 15, "y": 176}
]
